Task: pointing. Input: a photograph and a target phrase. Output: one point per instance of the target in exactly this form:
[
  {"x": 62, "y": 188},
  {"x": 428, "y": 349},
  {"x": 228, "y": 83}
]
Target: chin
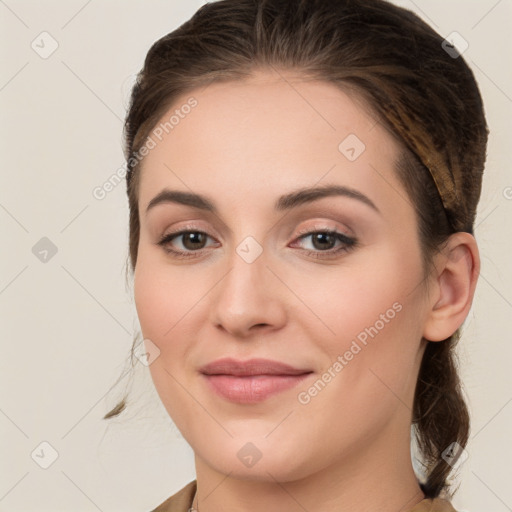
[{"x": 245, "y": 460}]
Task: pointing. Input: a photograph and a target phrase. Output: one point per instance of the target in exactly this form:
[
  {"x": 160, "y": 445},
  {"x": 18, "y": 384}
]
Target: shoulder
[
  {"x": 179, "y": 502},
  {"x": 433, "y": 505}
]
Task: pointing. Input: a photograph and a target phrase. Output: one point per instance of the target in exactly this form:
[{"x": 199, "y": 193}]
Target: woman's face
[{"x": 346, "y": 310}]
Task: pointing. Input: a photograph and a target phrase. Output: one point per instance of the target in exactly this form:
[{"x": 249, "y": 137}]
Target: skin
[{"x": 244, "y": 144}]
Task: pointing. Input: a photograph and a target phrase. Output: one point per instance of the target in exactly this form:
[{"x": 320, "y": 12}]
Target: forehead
[{"x": 271, "y": 131}]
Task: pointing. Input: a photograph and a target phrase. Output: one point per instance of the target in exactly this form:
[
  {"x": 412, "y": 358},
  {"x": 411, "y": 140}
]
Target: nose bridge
[{"x": 249, "y": 293}]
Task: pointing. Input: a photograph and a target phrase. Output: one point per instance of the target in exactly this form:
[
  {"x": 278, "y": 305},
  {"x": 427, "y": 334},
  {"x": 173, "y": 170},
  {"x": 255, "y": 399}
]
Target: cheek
[
  {"x": 163, "y": 297},
  {"x": 371, "y": 293},
  {"x": 370, "y": 317},
  {"x": 165, "y": 300}
]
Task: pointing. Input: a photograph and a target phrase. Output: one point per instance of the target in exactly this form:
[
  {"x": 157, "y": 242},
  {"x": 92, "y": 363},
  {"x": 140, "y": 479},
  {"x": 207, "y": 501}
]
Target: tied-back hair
[{"x": 423, "y": 96}]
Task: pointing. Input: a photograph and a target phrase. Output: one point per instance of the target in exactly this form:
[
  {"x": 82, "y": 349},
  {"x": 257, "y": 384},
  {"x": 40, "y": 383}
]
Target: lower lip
[{"x": 251, "y": 389}]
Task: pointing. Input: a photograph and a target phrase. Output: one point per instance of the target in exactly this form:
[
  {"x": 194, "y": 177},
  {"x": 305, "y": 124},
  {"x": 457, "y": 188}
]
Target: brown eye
[
  {"x": 323, "y": 240},
  {"x": 323, "y": 243},
  {"x": 185, "y": 243},
  {"x": 193, "y": 240}
]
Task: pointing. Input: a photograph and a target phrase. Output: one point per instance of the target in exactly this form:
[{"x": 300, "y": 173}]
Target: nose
[{"x": 249, "y": 299}]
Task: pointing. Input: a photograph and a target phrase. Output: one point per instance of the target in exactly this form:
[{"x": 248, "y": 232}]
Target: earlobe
[{"x": 457, "y": 269}]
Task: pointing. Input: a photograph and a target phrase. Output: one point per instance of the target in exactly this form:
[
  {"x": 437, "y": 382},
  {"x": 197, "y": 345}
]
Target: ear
[{"x": 452, "y": 287}]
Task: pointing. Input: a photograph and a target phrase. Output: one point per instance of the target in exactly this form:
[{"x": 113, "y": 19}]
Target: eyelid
[
  {"x": 324, "y": 226},
  {"x": 188, "y": 227}
]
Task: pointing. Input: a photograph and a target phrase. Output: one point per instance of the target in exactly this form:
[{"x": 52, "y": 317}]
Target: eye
[
  {"x": 192, "y": 243},
  {"x": 324, "y": 241}
]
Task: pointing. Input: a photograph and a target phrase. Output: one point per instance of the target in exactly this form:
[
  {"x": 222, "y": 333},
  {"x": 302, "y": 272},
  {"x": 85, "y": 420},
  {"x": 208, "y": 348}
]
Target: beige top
[{"x": 182, "y": 502}]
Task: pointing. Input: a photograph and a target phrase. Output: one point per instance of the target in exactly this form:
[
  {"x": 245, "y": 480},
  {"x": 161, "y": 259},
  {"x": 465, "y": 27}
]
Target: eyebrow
[{"x": 284, "y": 202}]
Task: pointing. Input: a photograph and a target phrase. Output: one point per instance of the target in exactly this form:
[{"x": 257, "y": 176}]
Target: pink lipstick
[{"x": 251, "y": 381}]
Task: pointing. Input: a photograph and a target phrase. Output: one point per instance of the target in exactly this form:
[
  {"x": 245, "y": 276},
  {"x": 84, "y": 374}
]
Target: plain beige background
[{"x": 67, "y": 316}]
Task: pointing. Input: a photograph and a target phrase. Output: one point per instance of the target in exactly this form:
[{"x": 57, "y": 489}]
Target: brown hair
[{"x": 426, "y": 98}]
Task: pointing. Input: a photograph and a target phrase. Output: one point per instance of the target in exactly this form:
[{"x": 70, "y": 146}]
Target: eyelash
[{"x": 349, "y": 243}]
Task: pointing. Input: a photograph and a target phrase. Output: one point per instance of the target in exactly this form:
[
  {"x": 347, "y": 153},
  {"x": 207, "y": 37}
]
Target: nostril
[{"x": 260, "y": 325}]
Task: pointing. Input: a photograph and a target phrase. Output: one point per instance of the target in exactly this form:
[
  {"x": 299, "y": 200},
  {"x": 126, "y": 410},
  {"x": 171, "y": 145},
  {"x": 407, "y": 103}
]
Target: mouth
[{"x": 252, "y": 381}]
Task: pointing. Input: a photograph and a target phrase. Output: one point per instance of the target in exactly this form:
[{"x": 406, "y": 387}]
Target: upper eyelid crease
[{"x": 284, "y": 202}]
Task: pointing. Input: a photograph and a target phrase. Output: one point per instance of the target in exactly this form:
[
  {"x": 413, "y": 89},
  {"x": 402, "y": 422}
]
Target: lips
[
  {"x": 229, "y": 366},
  {"x": 252, "y": 381}
]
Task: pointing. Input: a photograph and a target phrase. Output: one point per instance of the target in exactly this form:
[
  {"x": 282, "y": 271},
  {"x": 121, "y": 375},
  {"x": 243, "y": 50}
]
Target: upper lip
[{"x": 228, "y": 366}]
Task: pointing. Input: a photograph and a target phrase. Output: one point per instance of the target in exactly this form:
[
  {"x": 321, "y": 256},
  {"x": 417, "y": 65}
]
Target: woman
[{"x": 303, "y": 181}]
